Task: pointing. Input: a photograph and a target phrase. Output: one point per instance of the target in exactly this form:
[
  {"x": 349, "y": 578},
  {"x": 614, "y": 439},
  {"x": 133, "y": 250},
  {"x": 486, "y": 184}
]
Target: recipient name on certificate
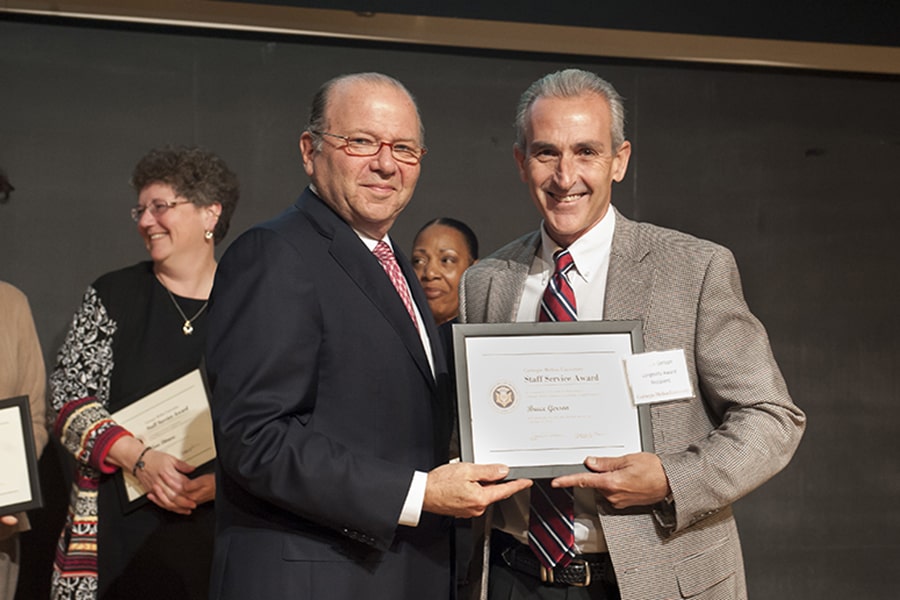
[{"x": 174, "y": 419}]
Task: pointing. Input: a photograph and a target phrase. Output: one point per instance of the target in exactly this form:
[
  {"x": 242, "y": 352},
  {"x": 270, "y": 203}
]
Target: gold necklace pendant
[{"x": 188, "y": 327}]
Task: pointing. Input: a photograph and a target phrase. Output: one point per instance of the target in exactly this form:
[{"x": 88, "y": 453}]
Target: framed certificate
[
  {"x": 20, "y": 489},
  {"x": 174, "y": 419},
  {"x": 541, "y": 397}
]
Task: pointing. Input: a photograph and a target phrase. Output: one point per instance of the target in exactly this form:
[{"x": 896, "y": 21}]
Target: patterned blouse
[{"x": 125, "y": 340}]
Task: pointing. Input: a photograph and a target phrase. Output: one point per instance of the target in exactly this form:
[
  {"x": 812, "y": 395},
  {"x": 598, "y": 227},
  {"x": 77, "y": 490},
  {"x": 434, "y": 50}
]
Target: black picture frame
[
  {"x": 20, "y": 409},
  {"x": 464, "y": 332}
]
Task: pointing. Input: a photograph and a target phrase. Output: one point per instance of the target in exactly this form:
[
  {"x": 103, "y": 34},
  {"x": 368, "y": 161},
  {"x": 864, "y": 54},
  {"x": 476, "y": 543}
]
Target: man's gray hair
[
  {"x": 317, "y": 121},
  {"x": 571, "y": 83}
]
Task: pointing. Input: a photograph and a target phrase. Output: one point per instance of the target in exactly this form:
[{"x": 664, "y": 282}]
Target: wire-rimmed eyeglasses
[
  {"x": 361, "y": 145},
  {"x": 156, "y": 208}
]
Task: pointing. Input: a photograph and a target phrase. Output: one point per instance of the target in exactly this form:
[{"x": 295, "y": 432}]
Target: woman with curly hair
[{"x": 137, "y": 329}]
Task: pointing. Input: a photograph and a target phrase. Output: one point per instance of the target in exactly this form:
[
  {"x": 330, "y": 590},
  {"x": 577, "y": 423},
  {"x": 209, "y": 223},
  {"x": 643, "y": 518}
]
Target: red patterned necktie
[
  {"x": 389, "y": 263},
  {"x": 551, "y": 522}
]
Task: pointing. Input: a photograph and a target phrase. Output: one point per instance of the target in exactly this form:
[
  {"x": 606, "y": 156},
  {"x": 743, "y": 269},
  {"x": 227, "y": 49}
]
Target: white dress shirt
[{"x": 412, "y": 508}]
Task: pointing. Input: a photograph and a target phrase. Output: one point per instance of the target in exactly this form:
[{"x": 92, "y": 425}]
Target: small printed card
[{"x": 658, "y": 377}]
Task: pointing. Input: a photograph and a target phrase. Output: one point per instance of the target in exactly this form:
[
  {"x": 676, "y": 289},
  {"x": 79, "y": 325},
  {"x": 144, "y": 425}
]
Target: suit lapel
[
  {"x": 506, "y": 285},
  {"x": 630, "y": 279},
  {"x": 352, "y": 255},
  {"x": 421, "y": 302}
]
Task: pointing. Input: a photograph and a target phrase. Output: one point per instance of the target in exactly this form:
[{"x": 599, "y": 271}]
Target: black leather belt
[{"x": 583, "y": 569}]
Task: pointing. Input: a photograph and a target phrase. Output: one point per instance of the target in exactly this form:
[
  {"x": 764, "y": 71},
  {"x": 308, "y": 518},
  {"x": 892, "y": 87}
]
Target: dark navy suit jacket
[{"x": 323, "y": 405}]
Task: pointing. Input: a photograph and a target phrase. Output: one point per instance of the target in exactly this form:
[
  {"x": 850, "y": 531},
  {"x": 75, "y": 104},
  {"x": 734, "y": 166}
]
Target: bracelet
[{"x": 140, "y": 460}]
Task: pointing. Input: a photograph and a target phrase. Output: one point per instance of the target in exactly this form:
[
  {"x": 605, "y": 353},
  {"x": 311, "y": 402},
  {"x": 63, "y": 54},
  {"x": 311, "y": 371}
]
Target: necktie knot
[
  {"x": 558, "y": 301},
  {"x": 563, "y": 260},
  {"x": 383, "y": 252}
]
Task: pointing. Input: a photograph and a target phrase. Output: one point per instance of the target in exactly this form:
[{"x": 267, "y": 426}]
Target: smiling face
[
  {"x": 366, "y": 191},
  {"x": 440, "y": 256},
  {"x": 177, "y": 232},
  {"x": 569, "y": 163}
]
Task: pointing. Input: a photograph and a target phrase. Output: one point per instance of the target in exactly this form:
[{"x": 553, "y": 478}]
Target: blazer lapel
[
  {"x": 352, "y": 255},
  {"x": 628, "y": 286},
  {"x": 630, "y": 279},
  {"x": 506, "y": 285}
]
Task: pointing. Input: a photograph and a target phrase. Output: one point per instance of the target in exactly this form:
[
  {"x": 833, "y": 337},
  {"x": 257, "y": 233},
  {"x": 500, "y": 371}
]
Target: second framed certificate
[
  {"x": 541, "y": 397},
  {"x": 20, "y": 487}
]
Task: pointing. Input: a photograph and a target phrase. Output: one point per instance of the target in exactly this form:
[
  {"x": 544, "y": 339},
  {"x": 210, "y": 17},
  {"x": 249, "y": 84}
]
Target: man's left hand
[{"x": 630, "y": 480}]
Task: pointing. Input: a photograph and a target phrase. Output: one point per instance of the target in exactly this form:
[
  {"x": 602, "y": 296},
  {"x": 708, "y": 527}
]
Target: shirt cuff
[{"x": 412, "y": 508}]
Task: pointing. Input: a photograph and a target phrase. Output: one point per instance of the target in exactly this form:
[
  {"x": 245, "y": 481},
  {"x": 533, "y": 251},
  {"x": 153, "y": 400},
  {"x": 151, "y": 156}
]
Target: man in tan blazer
[{"x": 647, "y": 525}]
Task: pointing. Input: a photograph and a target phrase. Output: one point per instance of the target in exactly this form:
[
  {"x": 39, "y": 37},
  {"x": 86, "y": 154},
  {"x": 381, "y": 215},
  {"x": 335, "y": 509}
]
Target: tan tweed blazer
[{"x": 740, "y": 429}]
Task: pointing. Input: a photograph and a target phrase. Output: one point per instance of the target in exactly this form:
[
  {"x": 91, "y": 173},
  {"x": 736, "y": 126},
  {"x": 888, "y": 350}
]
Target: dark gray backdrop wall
[{"x": 797, "y": 172}]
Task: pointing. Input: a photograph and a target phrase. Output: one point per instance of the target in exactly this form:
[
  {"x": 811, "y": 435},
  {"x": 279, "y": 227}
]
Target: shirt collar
[
  {"x": 589, "y": 251},
  {"x": 371, "y": 242}
]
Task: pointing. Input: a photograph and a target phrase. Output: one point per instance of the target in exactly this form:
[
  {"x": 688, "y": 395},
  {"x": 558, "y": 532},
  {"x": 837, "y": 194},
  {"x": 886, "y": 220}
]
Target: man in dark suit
[
  {"x": 646, "y": 525},
  {"x": 330, "y": 402}
]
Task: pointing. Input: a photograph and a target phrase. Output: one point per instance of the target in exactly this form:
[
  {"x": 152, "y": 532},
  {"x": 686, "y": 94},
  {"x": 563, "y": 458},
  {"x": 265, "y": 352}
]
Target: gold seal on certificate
[
  {"x": 541, "y": 397},
  {"x": 503, "y": 396}
]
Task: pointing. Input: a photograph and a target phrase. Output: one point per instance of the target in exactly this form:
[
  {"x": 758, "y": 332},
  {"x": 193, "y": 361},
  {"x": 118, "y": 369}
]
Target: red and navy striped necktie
[
  {"x": 558, "y": 302},
  {"x": 551, "y": 523}
]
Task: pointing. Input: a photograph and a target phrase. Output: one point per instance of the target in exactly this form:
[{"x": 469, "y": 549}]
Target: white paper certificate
[
  {"x": 548, "y": 399},
  {"x": 174, "y": 419}
]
